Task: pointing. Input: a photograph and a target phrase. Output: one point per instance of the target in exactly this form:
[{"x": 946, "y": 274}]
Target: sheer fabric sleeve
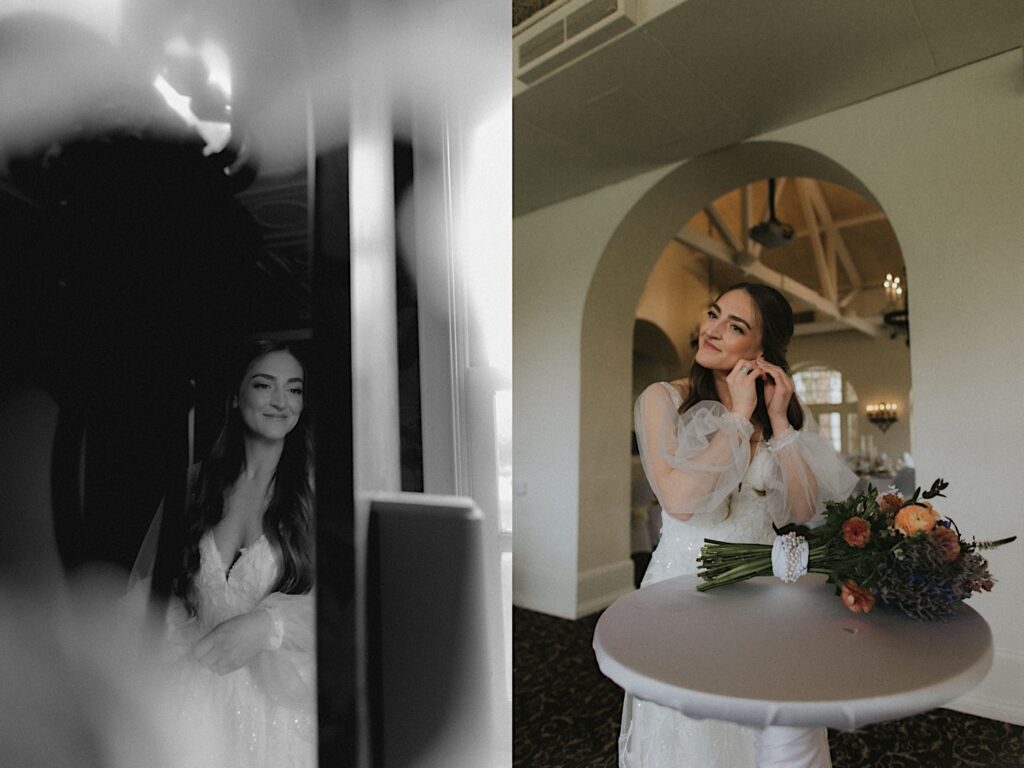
[
  {"x": 286, "y": 668},
  {"x": 138, "y": 594},
  {"x": 134, "y": 604},
  {"x": 808, "y": 472},
  {"x": 695, "y": 460}
]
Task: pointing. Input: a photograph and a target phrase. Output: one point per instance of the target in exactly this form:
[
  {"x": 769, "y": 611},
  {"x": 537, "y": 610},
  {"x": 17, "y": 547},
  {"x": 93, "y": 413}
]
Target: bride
[
  {"x": 238, "y": 633},
  {"x": 726, "y": 454}
]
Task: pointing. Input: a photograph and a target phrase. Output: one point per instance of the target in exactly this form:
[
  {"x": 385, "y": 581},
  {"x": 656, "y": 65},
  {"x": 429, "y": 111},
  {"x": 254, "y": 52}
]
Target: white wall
[
  {"x": 552, "y": 267},
  {"x": 944, "y": 159}
]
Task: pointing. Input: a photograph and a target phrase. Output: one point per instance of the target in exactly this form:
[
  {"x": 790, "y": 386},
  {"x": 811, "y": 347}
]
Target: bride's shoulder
[
  {"x": 675, "y": 391},
  {"x": 681, "y": 386}
]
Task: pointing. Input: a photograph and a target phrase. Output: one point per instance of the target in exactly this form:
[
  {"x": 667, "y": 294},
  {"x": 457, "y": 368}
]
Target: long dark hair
[
  {"x": 288, "y": 519},
  {"x": 776, "y": 332}
]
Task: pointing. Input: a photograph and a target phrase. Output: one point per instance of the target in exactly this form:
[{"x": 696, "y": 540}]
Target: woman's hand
[
  {"x": 233, "y": 643},
  {"x": 778, "y": 391},
  {"x": 742, "y": 381}
]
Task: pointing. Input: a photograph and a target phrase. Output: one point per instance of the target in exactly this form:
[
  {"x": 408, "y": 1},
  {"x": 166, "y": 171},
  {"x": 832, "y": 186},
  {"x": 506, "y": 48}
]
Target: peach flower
[
  {"x": 890, "y": 502},
  {"x": 916, "y": 518},
  {"x": 856, "y": 532},
  {"x": 856, "y": 598},
  {"x": 948, "y": 542}
]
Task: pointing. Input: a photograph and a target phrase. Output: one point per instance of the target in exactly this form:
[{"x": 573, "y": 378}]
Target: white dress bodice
[
  {"x": 222, "y": 592},
  {"x": 748, "y": 519}
]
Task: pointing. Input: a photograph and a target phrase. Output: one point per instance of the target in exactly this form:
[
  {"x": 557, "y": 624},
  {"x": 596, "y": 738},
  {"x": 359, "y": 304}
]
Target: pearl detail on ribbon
[{"x": 789, "y": 557}]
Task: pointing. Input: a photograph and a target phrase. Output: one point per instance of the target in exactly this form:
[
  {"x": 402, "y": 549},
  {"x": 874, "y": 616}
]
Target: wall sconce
[{"x": 883, "y": 415}]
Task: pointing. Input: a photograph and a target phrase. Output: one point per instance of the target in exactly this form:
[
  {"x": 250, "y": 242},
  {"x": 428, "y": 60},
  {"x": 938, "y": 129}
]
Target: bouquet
[{"x": 874, "y": 548}]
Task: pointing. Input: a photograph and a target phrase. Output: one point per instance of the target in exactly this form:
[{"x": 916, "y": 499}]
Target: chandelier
[{"x": 893, "y": 288}]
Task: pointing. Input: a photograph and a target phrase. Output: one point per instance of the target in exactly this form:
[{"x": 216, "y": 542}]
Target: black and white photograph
[{"x": 256, "y": 481}]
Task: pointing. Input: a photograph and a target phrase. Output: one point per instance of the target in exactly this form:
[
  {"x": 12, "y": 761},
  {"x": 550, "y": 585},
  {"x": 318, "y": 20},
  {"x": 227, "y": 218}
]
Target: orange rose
[
  {"x": 947, "y": 541},
  {"x": 856, "y": 598},
  {"x": 856, "y": 532},
  {"x": 916, "y": 518}
]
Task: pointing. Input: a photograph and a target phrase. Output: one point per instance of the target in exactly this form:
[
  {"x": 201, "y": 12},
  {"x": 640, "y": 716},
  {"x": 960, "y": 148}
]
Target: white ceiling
[{"x": 707, "y": 73}]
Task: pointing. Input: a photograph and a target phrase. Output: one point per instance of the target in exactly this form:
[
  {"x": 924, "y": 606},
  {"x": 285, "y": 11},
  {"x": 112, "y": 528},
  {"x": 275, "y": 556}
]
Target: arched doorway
[{"x": 609, "y": 314}]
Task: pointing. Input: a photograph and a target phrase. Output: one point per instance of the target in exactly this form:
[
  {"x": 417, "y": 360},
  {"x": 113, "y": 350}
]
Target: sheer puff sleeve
[
  {"x": 695, "y": 460},
  {"x": 285, "y": 669},
  {"x": 808, "y": 472}
]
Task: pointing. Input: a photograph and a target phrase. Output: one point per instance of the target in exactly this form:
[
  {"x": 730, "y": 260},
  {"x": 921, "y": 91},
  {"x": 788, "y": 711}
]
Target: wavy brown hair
[
  {"x": 288, "y": 519},
  {"x": 776, "y": 331}
]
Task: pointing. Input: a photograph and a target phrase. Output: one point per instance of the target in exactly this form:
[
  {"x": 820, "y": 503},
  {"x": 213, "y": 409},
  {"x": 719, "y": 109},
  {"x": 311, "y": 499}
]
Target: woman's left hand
[
  {"x": 233, "y": 643},
  {"x": 778, "y": 391}
]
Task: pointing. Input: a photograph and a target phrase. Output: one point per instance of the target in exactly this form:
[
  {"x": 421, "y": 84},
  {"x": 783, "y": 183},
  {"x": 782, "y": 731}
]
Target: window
[
  {"x": 833, "y": 404},
  {"x": 819, "y": 386}
]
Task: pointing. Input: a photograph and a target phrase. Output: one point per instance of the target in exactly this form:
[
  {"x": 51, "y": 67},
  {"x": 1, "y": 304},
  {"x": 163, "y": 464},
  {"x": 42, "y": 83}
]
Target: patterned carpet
[{"x": 566, "y": 714}]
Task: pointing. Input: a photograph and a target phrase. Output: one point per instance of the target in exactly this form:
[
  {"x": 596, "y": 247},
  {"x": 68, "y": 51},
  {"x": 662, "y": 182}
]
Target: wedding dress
[
  {"x": 732, "y": 496},
  {"x": 267, "y": 711},
  {"x": 264, "y": 714}
]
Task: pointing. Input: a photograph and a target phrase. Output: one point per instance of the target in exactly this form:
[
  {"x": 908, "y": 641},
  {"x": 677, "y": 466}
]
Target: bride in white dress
[
  {"x": 237, "y": 636},
  {"x": 727, "y": 455}
]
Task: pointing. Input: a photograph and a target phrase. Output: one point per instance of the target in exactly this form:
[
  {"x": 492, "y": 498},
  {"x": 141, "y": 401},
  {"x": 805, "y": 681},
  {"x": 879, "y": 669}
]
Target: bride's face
[
  {"x": 730, "y": 331},
  {"x": 270, "y": 395}
]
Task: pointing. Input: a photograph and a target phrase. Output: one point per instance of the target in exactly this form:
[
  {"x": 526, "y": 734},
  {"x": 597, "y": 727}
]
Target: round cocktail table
[{"x": 763, "y": 653}]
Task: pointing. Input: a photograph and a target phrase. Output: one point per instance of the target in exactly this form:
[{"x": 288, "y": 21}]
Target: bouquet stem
[{"x": 728, "y": 563}]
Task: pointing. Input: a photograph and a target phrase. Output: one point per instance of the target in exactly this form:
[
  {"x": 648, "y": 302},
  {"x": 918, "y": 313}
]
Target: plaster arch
[{"x": 608, "y": 316}]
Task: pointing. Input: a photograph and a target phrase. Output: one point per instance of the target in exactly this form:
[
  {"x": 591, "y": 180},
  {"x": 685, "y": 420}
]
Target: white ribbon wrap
[{"x": 789, "y": 557}]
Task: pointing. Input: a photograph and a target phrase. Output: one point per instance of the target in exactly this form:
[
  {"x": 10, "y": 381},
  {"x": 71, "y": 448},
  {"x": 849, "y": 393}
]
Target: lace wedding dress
[
  {"x": 263, "y": 714},
  {"x": 733, "y": 494}
]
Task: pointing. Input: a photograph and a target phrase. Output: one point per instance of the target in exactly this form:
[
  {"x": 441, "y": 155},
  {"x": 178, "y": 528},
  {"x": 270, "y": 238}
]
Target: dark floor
[{"x": 566, "y": 713}]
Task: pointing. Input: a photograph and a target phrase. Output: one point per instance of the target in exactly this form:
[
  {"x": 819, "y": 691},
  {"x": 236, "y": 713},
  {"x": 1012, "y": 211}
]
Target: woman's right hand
[
  {"x": 742, "y": 382},
  {"x": 233, "y": 643}
]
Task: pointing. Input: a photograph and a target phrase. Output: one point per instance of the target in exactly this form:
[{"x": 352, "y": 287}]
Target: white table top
[{"x": 767, "y": 653}]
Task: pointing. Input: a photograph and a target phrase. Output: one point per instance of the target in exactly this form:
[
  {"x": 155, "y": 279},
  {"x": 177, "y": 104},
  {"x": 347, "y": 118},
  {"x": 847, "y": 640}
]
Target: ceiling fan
[{"x": 772, "y": 233}]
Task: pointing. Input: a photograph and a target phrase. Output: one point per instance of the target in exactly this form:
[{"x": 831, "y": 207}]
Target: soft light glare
[
  {"x": 892, "y": 286},
  {"x": 486, "y": 238},
  {"x": 102, "y": 16},
  {"x": 217, "y": 135}
]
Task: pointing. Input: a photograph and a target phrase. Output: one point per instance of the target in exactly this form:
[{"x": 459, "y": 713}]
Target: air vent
[
  {"x": 590, "y": 14},
  {"x": 566, "y": 34},
  {"x": 545, "y": 42}
]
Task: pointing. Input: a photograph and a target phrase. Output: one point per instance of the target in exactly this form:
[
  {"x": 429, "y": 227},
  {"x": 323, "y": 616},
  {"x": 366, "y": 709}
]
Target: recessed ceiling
[{"x": 704, "y": 74}]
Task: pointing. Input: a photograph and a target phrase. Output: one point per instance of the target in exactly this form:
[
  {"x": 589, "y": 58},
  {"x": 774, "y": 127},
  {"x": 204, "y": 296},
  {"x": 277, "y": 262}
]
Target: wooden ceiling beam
[
  {"x": 828, "y": 326},
  {"x": 789, "y": 287},
  {"x": 722, "y": 226},
  {"x": 817, "y": 196},
  {"x": 854, "y": 293},
  {"x": 853, "y": 221},
  {"x": 826, "y": 279}
]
